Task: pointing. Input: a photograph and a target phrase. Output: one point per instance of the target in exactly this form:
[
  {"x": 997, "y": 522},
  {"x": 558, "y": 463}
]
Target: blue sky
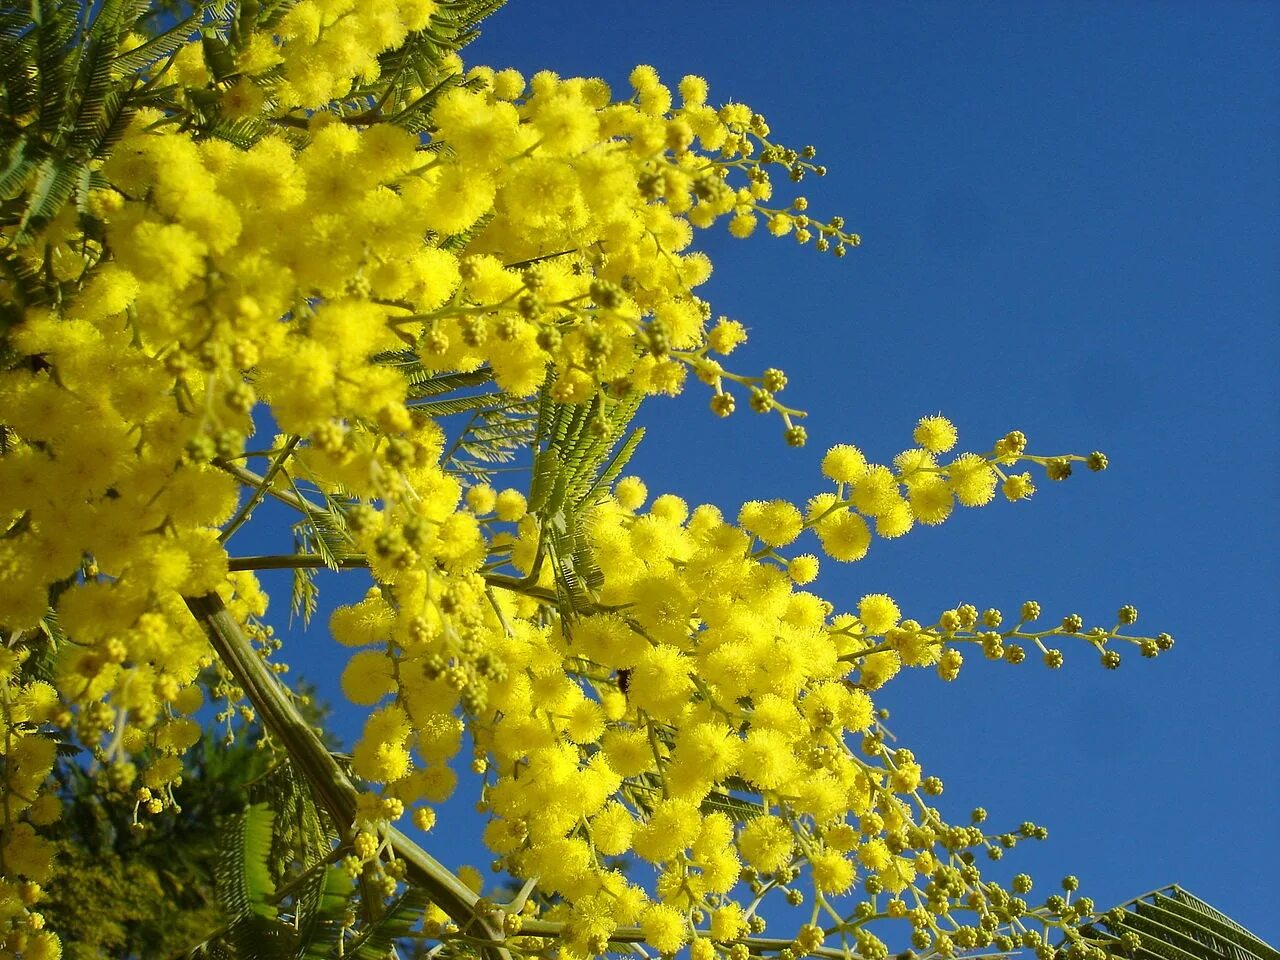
[{"x": 1071, "y": 223}]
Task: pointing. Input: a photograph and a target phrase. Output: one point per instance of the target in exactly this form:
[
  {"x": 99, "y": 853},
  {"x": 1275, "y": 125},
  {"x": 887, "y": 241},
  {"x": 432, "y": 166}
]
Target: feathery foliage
[{"x": 1173, "y": 924}]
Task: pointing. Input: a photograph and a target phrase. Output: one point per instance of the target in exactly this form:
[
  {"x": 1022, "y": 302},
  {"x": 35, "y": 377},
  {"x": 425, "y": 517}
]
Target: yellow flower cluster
[
  {"x": 702, "y": 673},
  {"x": 701, "y": 713}
]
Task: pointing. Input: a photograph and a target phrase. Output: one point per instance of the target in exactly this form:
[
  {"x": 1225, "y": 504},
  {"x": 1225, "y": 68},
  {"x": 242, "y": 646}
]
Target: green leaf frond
[
  {"x": 413, "y": 76},
  {"x": 1173, "y": 924},
  {"x": 68, "y": 88},
  {"x": 378, "y": 938},
  {"x": 245, "y": 888},
  {"x": 580, "y": 452},
  {"x": 243, "y": 873}
]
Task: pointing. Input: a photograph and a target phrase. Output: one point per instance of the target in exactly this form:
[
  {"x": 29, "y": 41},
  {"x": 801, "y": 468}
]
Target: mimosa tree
[{"x": 313, "y": 225}]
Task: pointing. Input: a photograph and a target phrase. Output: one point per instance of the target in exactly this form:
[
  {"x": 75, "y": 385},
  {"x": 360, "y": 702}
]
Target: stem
[
  {"x": 261, "y": 491},
  {"x": 248, "y": 477},
  {"x": 328, "y": 781},
  {"x": 548, "y": 928},
  {"x": 291, "y": 561}
]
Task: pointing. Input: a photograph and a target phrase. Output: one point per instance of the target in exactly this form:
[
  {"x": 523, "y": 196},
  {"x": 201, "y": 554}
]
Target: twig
[{"x": 329, "y": 782}]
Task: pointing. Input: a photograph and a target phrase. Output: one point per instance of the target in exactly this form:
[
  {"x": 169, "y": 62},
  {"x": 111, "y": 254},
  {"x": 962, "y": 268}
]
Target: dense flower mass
[{"x": 314, "y": 219}]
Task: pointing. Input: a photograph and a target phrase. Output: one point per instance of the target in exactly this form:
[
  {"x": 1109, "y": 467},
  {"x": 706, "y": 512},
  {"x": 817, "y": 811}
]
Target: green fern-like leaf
[
  {"x": 423, "y": 384},
  {"x": 55, "y": 182},
  {"x": 62, "y": 61},
  {"x": 737, "y": 809},
  {"x": 613, "y": 467},
  {"x": 95, "y": 85},
  {"x": 453, "y": 405},
  {"x": 245, "y": 887},
  {"x": 320, "y": 909},
  {"x": 55, "y": 25},
  {"x": 1173, "y": 924},
  {"x": 305, "y": 595},
  {"x": 377, "y": 939},
  {"x": 244, "y": 880},
  {"x": 244, "y": 133},
  {"x": 579, "y": 456},
  {"x": 324, "y": 533},
  {"x": 493, "y": 435},
  {"x": 159, "y": 46}
]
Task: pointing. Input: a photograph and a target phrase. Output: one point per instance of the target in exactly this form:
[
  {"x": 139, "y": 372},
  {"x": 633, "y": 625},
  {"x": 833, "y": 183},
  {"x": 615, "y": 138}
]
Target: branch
[
  {"x": 257, "y": 481},
  {"x": 549, "y": 928},
  {"x": 261, "y": 491},
  {"x": 291, "y": 561},
  {"x": 329, "y": 781}
]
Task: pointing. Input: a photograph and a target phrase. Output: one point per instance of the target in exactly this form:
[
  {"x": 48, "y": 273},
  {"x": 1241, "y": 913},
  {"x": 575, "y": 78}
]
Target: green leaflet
[
  {"x": 578, "y": 458},
  {"x": 377, "y": 939},
  {"x": 735, "y": 808},
  {"x": 1174, "y": 924},
  {"x": 452, "y": 405},
  {"x": 494, "y": 434},
  {"x": 70, "y": 71},
  {"x": 321, "y": 906},
  {"x": 55, "y": 181},
  {"x": 244, "y": 885},
  {"x": 244, "y": 879},
  {"x": 305, "y": 596},
  {"x": 160, "y": 46},
  {"x": 424, "y": 384}
]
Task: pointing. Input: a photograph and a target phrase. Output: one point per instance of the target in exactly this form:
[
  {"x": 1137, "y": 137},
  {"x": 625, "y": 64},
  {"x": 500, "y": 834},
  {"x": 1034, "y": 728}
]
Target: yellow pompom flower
[
  {"x": 670, "y": 508},
  {"x": 935, "y": 434},
  {"x": 876, "y": 491},
  {"x": 776, "y": 522},
  {"x": 511, "y": 505},
  {"x": 803, "y": 569},
  {"x": 742, "y": 226},
  {"x": 508, "y": 84},
  {"x": 895, "y": 520},
  {"x": 368, "y": 621},
  {"x": 727, "y": 335},
  {"x": 628, "y": 751},
  {"x": 728, "y": 922},
  {"x": 878, "y": 613},
  {"x": 1018, "y": 487},
  {"x": 660, "y": 681},
  {"x": 906, "y": 778},
  {"x": 930, "y": 499},
  {"x": 665, "y": 928},
  {"x": 874, "y": 854},
  {"x": 766, "y": 759},
  {"x": 845, "y": 536},
  {"x": 693, "y": 90},
  {"x": 878, "y": 669},
  {"x": 612, "y": 829},
  {"x": 844, "y": 463},
  {"x": 608, "y": 639},
  {"x": 481, "y": 499},
  {"x": 915, "y": 648},
  {"x": 832, "y": 873},
  {"x": 367, "y": 677},
  {"x": 585, "y": 722},
  {"x": 972, "y": 480},
  {"x": 631, "y": 493},
  {"x": 672, "y": 827},
  {"x": 766, "y": 843},
  {"x": 381, "y": 755}
]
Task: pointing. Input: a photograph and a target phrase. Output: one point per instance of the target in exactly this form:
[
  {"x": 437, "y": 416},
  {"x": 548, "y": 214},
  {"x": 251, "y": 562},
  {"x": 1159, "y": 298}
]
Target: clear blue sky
[{"x": 1071, "y": 223}]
